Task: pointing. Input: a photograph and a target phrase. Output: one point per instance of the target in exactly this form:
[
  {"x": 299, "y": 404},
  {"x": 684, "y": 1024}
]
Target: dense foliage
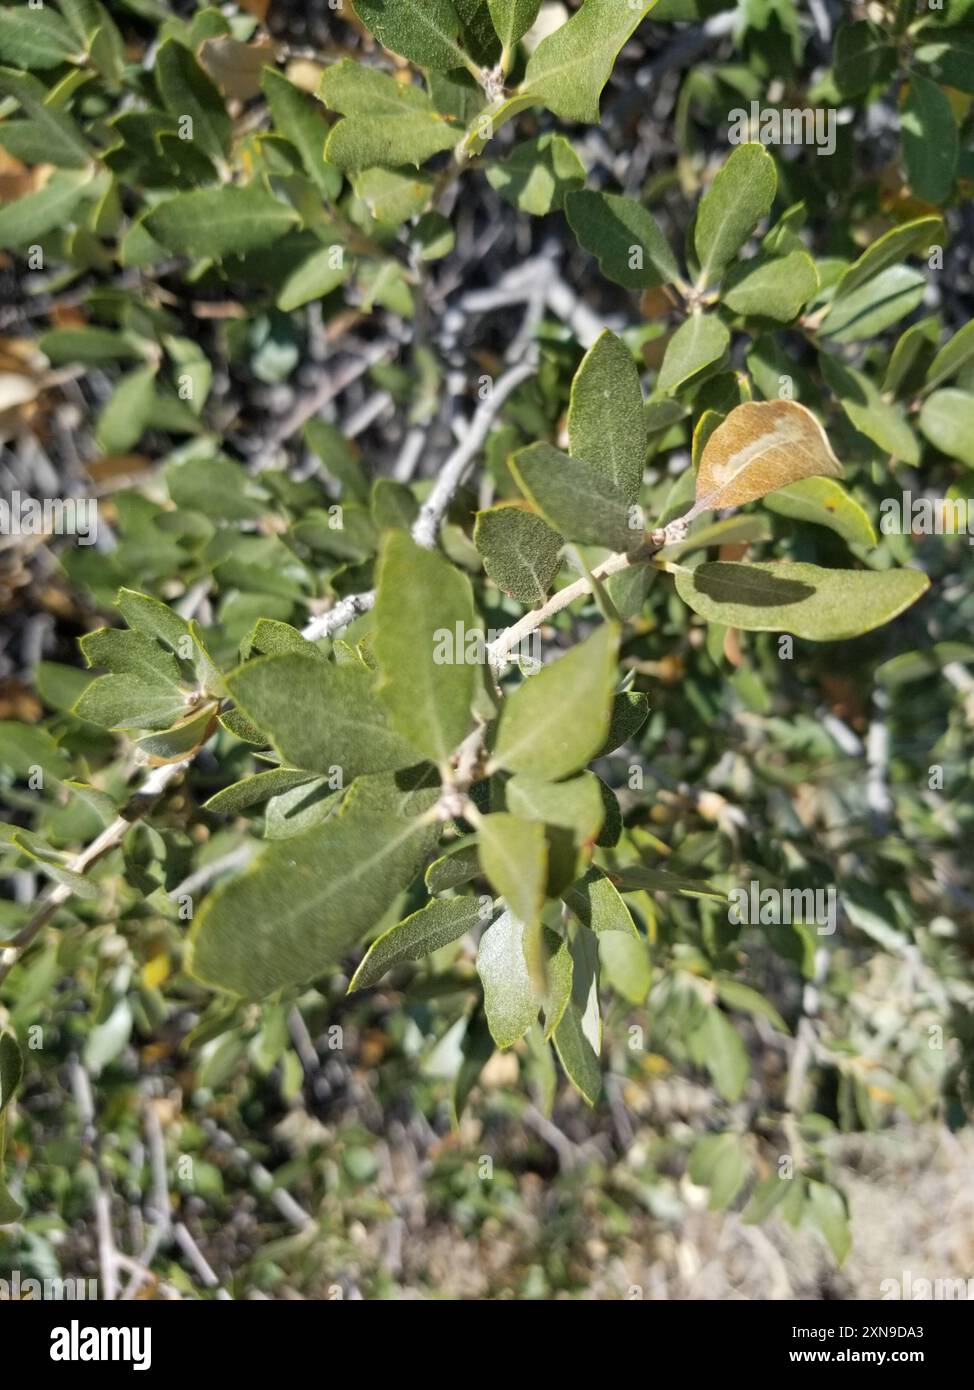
[{"x": 594, "y": 687}]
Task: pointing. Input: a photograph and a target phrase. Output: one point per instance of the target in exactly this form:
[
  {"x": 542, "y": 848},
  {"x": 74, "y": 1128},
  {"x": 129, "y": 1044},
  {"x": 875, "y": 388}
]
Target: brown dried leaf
[{"x": 761, "y": 446}]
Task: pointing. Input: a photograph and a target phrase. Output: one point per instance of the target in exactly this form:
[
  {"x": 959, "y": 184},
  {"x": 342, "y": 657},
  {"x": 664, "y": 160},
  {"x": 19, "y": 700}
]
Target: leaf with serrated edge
[{"x": 319, "y": 716}]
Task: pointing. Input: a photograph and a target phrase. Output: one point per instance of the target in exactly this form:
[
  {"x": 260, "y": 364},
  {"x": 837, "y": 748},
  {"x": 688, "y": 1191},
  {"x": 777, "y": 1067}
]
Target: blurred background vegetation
[{"x": 257, "y": 1152}]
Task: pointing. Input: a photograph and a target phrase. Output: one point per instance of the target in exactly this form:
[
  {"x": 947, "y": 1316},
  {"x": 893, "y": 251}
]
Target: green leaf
[
  {"x": 387, "y": 122},
  {"x": 951, "y": 62},
  {"x": 557, "y": 720},
  {"x": 538, "y": 174},
  {"x": 765, "y": 1197},
  {"x": 578, "y": 1037},
  {"x": 826, "y": 503},
  {"x": 598, "y": 904},
  {"x": 723, "y": 1053},
  {"x": 424, "y": 31},
  {"x": 776, "y": 287},
  {"x": 10, "y": 1210},
  {"x": 11, "y": 1069},
  {"x": 424, "y": 615},
  {"x": 300, "y": 808},
  {"x": 913, "y": 666},
  {"x": 126, "y": 702},
  {"x": 152, "y": 617},
  {"x": 741, "y": 194},
  {"x": 737, "y": 995},
  {"x": 606, "y": 418},
  {"x": 575, "y": 804},
  {"x": 320, "y": 716},
  {"x": 36, "y": 38},
  {"x": 568, "y": 69},
  {"x": 339, "y": 458},
  {"x": 952, "y": 357},
  {"x": 698, "y": 343},
  {"x": 930, "y": 141},
  {"x": 521, "y": 552},
  {"x": 881, "y": 422},
  {"x": 624, "y": 237},
  {"x": 576, "y": 497},
  {"x": 182, "y": 739},
  {"x": 514, "y": 858},
  {"x": 219, "y": 222},
  {"x": 322, "y": 272},
  {"x": 24, "y": 745},
  {"x": 298, "y": 120},
  {"x": 393, "y": 196},
  {"x": 625, "y": 966},
  {"x": 719, "y": 1162},
  {"x": 947, "y": 420},
  {"x": 730, "y": 530},
  {"x": 436, "y": 925},
  {"x": 630, "y": 710},
  {"x": 135, "y": 653},
  {"x": 911, "y": 357},
  {"x": 253, "y": 790},
  {"x": 637, "y": 878},
  {"x": 477, "y": 1048},
  {"x": 827, "y": 1211},
  {"x": 511, "y": 1001},
  {"x": 30, "y": 217},
  {"x": 186, "y": 90},
  {"x": 863, "y": 55},
  {"x": 512, "y": 19},
  {"x": 305, "y": 901},
  {"x": 458, "y": 864},
  {"x": 874, "y": 306},
  {"x": 66, "y": 145},
  {"x": 63, "y": 345},
  {"x": 126, "y": 414},
  {"x": 906, "y": 239},
  {"x": 818, "y": 604}
]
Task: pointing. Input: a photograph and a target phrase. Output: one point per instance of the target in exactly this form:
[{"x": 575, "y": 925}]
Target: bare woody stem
[
  {"x": 427, "y": 525},
  {"x": 622, "y": 560}
]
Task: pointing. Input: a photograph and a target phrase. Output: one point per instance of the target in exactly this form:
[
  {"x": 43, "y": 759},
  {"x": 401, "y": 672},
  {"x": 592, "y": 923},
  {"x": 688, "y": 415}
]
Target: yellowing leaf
[{"x": 762, "y": 445}]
